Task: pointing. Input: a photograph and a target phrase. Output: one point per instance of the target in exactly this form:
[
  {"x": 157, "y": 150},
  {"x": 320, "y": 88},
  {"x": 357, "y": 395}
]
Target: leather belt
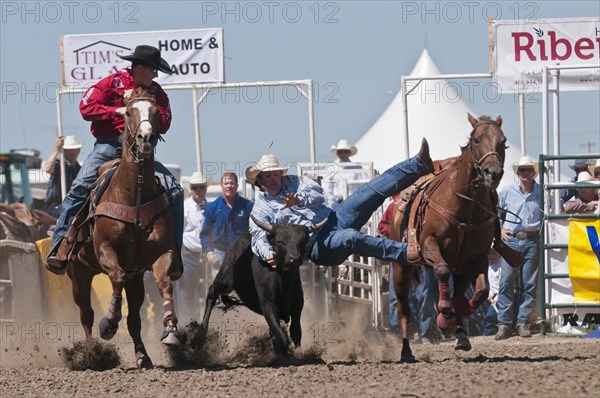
[{"x": 526, "y": 234}]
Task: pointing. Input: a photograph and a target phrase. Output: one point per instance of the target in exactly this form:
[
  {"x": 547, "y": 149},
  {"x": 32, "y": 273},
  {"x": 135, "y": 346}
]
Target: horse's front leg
[
  {"x": 402, "y": 277},
  {"x": 464, "y": 307},
  {"x": 170, "y": 335},
  {"x": 433, "y": 256},
  {"x": 135, "y": 299},
  {"x": 107, "y": 257}
]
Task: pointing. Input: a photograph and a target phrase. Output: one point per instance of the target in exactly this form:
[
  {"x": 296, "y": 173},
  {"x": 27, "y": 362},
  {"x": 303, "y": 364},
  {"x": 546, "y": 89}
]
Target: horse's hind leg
[
  {"x": 170, "y": 335},
  {"x": 402, "y": 277},
  {"x": 135, "y": 299},
  {"x": 81, "y": 281}
]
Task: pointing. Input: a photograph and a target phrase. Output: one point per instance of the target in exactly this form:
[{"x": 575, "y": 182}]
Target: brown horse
[
  {"x": 450, "y": 227},
  {"x": 22, "y": 223},
  {"x": 131, "y": 233}
]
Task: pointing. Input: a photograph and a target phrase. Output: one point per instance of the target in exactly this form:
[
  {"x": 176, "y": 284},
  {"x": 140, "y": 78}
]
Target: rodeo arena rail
[{"x": 566, "y": 289}]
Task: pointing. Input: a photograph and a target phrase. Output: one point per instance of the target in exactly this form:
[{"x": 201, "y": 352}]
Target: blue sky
[{"x": 355, "y": 51}]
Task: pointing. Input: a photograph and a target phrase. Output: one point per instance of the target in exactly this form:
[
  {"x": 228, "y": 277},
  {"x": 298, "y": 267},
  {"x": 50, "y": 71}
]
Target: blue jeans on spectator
[
  {"x": 106, "y": 149},
  {"x": 528, "y": 274},
  {"x": 340, "y": 237},
  {"x": 490, "y": 320}
]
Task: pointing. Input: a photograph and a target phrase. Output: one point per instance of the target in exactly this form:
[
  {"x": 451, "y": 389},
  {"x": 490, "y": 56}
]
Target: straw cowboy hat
[
  {"x": 71, "y": 143},
  {"x": 149, "y": 56},
  {"x": 592, "y": 168},
  {"x": 197, "y": 178},
  {"x": 344, "y": 145},
  {"x": 526, "y": 161},
  {"x": 266, "y": 162},
  {"x": 584, "y": 176},
  {"x": 579, "y": 163}
]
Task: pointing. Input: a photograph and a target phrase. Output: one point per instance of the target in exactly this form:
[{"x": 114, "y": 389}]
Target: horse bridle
[
  {"x": 133, "y": 131},
  {"x": 477, "y": 163}
]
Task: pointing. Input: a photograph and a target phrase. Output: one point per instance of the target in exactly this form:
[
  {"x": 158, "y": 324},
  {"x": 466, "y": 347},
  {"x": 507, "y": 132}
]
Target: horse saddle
[{"x": 412, "y": 202}]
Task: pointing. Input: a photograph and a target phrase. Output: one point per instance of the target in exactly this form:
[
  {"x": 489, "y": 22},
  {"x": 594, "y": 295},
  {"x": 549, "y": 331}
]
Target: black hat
[{"x": 150, "y": 56}]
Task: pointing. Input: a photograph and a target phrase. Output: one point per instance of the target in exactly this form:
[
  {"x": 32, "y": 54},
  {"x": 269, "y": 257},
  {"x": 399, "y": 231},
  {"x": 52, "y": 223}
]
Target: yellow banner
[{"x": 584, "y": 260}]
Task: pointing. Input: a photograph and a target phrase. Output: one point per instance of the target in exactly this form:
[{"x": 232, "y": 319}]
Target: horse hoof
[
  {"x": 408, "y": 358},
  {"x": 170, "y": 336},
  {"x": 144, "y": 362},
  {"x": 107, "y": 331},
  {"x": 462, "y": 343}
]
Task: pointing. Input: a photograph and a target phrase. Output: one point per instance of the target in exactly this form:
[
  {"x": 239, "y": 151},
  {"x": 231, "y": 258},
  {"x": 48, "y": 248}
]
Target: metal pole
[
  {"x": 197, "y": 129},
  {"x": 63, "y": 175},
  {"x": 556, "y": 127},
  {"x": 311, "y": 123},
  {"x": 522, "y": 120},
  {"x": 405, "y": 114},
  {"x": 545, "y": 132}
]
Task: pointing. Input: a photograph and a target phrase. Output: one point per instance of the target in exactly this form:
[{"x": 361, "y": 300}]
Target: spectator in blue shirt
[
  {"x": 289, "y": 199},
  {"x": 225, "y": 219},
  {"x": 521, "y": 233}
]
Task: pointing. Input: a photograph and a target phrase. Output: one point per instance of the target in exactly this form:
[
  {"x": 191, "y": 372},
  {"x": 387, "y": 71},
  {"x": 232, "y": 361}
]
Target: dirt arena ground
[{"x": 338, "y": 359}]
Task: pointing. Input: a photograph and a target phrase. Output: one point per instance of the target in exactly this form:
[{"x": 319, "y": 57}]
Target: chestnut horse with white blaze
[
  {"x": 450, "y": 226},
  {"x": 132, "y": 233}
]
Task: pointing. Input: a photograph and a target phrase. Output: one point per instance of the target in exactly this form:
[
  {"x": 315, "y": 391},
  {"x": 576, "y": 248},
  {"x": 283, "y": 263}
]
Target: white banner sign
[
  {"x": 195, "y": 55},
  {"x": 522, "y": 48}
]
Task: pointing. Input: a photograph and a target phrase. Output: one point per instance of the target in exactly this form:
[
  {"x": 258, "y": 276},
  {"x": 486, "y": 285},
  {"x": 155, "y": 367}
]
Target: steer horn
[
  {"x": 318, "y": 226},
  {"x": 266, "y": 226}
]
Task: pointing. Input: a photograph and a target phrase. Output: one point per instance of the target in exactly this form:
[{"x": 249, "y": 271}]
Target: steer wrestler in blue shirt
[{"x": 289, "y": 199}]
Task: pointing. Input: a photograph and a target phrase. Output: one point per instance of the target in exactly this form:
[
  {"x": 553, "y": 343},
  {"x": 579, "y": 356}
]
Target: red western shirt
[{"x": 100, "y": 101}]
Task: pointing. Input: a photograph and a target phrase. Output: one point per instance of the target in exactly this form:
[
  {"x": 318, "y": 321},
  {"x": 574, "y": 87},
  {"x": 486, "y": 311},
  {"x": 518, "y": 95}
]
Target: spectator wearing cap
[
  {"x": 586, "y": 201},
  {"x": 188, "y": 288},
  {"x": 578, "y": 166},
  {"x": 338, "y": 184},
  {"x": 291, "y": 199},
  {"x": 225, "y": 219},
  {"x": 70, "y": 148},
  {"x": 102, "y": 105},
  {"x": 521, "y": 223}
]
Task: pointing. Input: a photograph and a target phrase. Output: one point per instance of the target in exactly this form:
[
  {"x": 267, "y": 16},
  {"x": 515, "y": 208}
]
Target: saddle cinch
[
  {"x": 413, "y": 201},
  {"x": 91, "y": 209}
]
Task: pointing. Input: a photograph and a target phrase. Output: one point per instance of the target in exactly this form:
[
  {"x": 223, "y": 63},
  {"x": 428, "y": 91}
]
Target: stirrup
[{"x": 58, "y": 259}]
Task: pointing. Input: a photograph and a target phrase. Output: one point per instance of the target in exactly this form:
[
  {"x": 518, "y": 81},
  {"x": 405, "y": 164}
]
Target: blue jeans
[
  {"x": 340, "y": 237},
  {"x": 106, "y": 149},
  {"x": 490, "y": 320},
  {"x": 528, "y": 274}
]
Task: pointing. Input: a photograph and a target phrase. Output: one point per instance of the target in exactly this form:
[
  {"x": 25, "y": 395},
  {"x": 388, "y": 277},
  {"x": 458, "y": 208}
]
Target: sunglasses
[
  {"x": 197, "y": 187},
  {"x": 526, "y": 170}
]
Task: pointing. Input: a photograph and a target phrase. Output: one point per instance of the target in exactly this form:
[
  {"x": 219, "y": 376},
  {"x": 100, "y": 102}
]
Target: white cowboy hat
[
  {"x": 526, "y": 161},
  {"x": 71, "y": 142},
  {"x": 584, "y": 176},
  {"x": 344, "y": 145},
  {"x": 266, "y": 162},
  {"x": 197, "y": 178},
  {"x": 592, "y": 168}
]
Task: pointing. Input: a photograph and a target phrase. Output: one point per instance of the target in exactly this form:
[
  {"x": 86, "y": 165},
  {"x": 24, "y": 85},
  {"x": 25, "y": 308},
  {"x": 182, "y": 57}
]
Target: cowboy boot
[
  {"x": 425, "y": 158},
  {"x": 58, "y": 258},
  {"x": 176, "y": 269}
]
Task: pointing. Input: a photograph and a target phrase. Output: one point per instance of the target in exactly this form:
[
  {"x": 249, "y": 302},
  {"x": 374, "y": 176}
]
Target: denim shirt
[
  {"x": 310, "y": 211},
  {"x": 222, "y": 225},
  {"x": 512, "y": 198}
]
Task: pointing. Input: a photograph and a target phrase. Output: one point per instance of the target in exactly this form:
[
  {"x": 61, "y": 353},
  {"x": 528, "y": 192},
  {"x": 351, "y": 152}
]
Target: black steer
[{"x": 275, "y": 293}]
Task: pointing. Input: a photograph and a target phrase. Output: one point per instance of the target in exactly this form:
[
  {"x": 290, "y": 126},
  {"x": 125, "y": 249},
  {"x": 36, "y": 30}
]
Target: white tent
[{"x": 436, "y": 112}]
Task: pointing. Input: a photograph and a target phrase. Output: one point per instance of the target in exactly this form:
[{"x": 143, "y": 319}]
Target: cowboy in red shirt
[{"x": 103, "y": 105}]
